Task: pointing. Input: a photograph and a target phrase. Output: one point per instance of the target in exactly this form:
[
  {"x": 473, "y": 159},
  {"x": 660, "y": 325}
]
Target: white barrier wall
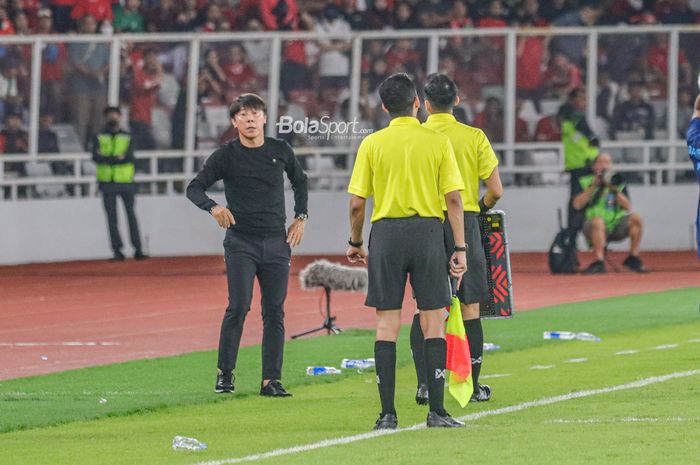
[{"x": 75, "y": 229}]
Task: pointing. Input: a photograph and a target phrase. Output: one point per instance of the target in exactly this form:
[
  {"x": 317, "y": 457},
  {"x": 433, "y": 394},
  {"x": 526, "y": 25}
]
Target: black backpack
[{"x": 562, "y": 252}]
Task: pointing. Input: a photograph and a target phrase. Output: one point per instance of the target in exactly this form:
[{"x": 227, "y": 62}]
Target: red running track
[{"x": 61, "y": 316}]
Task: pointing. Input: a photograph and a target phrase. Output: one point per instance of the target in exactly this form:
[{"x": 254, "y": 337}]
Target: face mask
[{"x": 112, "y": 124}]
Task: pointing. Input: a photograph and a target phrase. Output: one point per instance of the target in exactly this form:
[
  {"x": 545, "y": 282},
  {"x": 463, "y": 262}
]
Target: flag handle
[{"x": 453, "y": 286}]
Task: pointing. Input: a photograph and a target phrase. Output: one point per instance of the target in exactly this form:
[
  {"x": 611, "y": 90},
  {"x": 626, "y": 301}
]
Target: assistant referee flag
[{"x": 459, "y": 358}]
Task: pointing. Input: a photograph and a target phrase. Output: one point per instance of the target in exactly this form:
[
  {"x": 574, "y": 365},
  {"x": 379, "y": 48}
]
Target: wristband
[
  {"x": 355, "y": 244},
  {"x": 482, "y": 206},
  {"x": 461, "y": 249}
]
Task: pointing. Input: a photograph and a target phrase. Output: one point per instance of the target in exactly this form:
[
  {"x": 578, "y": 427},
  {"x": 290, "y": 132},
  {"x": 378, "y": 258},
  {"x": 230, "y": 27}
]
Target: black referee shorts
[
  {"x": 474, "y": 287},
  {"x": 407, "y": 247}
]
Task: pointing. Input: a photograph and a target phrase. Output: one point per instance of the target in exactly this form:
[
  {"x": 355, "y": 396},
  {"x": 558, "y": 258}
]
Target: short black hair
[
  {"x": 574, "y": 93},
  {"x": 398, "y": 94},
  {"x": 249, "y": 102},
  {"x": 112, "y": 109},
  {"x": 440, "y": 91}
]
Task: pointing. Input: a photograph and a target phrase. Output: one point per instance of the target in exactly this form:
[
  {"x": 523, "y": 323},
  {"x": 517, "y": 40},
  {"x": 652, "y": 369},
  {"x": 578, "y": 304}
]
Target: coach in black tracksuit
[{"x": 256, "y": 244}]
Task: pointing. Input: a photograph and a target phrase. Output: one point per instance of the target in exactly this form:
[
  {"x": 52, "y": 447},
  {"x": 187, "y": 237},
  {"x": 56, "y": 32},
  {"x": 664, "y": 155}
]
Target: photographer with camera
[{"x": 607, "y": 208}]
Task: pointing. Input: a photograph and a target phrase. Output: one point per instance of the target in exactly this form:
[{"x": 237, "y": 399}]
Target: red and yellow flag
[{"x": 459, "y": 359}]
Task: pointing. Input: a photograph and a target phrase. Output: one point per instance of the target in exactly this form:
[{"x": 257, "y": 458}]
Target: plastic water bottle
[
  {"x": 491, "y": 346},
  {"x": 184, "y": 443},
  {"x": 563, "y": 335},
  {"x": 357, "y": 364},
  {"x": 317, "y": 371},
  {"x": 587, "y": 337}
]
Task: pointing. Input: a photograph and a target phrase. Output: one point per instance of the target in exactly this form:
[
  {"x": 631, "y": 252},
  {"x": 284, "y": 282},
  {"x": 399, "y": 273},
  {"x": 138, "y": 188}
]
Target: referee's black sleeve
[
  {"x": 210, "y": 173},
  {"x": 300, "y": 184}
]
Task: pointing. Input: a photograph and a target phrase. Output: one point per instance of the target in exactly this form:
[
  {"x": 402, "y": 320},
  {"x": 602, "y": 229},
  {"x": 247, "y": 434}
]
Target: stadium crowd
[{"x": 632, "y": 74}]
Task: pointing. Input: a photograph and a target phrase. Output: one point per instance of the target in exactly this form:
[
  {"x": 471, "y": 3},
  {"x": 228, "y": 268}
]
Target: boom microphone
[{"x": 333, "y": 276}]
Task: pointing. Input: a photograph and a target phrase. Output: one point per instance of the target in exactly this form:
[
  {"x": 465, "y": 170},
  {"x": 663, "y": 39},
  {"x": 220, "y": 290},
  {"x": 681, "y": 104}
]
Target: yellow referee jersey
[
  {"x": 408, "y": 168},
  {"x": 475, "y": 156}
]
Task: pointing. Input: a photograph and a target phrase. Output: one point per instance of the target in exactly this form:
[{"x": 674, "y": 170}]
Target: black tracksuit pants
[
  {"x": 268, "y": 258},
  {"x": 110, "y": 192}
]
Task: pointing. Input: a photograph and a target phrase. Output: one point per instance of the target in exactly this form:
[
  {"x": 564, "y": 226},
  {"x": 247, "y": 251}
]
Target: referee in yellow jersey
[
  {"x": 477, "y": 161},
  {"x": 410, "y": 170}
]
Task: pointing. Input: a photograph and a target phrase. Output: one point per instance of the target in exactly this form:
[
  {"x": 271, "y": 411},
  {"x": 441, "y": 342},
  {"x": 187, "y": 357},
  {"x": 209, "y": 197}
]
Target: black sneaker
[
  {"x": 118, "y": 257},
  {"x": 597, "y": 267},
  {"x": 436, "y": 420},
  {"x": 224, "y": 382},
  {"x": 482, "y": 394},
  {"x": 422, "y": 395},
  {"x": 635, "y": 264},
  {"x": 386, "y": 421},
  {"x": 140, "y": 255},
  {"x": 274, "y": 389}
]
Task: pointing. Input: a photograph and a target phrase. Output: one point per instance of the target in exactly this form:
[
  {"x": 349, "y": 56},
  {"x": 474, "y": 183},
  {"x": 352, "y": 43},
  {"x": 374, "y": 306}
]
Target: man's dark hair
[
  {"x": 398, "y": 94},
  {"x": 248, "y": 102},
  {"x": 441, "y": 92},
  {"x": 575, "y": 92},
  {"x": 112, "y": 109}
]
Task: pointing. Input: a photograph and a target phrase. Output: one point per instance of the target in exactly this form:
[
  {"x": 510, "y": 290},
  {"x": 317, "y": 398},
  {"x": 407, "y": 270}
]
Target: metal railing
[{"x": 657, "y": 161}]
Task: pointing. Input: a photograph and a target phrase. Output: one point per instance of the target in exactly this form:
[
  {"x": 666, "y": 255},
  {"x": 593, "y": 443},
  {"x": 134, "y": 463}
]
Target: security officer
[
  {"x": 114, "y": 156},
  {"x": 477, "y": 161},
  {"x": 408, "y": 169},
  {"x": 581, "y": 147}
]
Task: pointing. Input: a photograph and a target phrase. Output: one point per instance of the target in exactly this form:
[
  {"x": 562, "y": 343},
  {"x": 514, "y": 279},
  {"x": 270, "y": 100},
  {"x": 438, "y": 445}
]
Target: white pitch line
[
  {"x": 496, "y": 375},
  {"x": 627, "y": 352},
  {"x": 577, "y": 360},
  {"x": 695, "y": 341},
  {"x": 472, "y": 417},
  {"x": 60, "y": 344},
  {"x": 562, "y": 421},
  {"x": 667, "y": 346},
  {"x": 541, "y": 367}
]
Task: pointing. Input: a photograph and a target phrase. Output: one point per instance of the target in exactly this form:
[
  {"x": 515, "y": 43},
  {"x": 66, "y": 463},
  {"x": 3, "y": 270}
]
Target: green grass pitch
[{"x": 59, "y": 419}]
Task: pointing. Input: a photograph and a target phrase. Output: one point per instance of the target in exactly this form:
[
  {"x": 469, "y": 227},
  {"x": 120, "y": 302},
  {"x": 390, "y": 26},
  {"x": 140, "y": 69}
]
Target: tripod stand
[{"x": 328, "y": 322}]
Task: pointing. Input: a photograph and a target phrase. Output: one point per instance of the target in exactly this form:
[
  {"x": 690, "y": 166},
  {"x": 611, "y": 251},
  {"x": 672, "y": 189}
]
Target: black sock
[
  {"x": 475, "y": 335},
  {"x": 435, "y": 359},
  {"x": 417, "y": 350},
  {"x": 385, "y": 363}
]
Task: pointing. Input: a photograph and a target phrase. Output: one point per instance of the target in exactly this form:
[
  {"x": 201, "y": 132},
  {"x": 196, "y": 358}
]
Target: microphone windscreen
[{"x": 323, "y": 273}]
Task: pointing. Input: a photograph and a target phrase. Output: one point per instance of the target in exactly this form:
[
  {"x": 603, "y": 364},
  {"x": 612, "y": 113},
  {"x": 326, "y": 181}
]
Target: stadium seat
[{"x": 43, "y": 170}]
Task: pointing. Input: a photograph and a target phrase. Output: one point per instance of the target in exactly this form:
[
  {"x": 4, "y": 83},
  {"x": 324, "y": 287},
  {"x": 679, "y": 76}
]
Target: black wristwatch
[
  {"x": 301, "y": 216},
  {"x": 355, "y": 244},
  {"x": 461, "y": 249}
]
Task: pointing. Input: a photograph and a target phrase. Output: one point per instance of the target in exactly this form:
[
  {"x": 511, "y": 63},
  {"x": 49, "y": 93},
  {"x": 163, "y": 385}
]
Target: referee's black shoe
[
  {"x": 386, "y": 421},
  {"x": 482, "y": 394},
  {"x": 274, "y": 389},
  {"x": 436, "y": 420},
  {"x": 422, "y": 394},
  {"x": 224, "y": 382}
]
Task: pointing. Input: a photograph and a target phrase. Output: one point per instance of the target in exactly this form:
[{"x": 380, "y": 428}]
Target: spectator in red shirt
[
  {"x": 239, "y": 74},
  {"x": 6, "y": 27},
  {"x": 528, "y": 14},
  {"x": 101, "y": 10},
  {"x": 212, "y": 19},
  {"x": 53, "y": 58},
  {"x": 276, "y": 15},
  {"x": 148, "y": 77},
  {"x": 657, "y": 62},
  {"x": 562, "y": 76},
  {"x": 490, "y": 119},
  {"x": 531, "y": 59},
  {"x": 548, "y": 129}
]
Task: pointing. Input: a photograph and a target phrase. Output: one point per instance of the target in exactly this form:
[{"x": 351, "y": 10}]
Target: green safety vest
[
  {"x": 605, "y": 207},
  {"x": 578, "y": 150},
  {"x": 114, "y": 145}
]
